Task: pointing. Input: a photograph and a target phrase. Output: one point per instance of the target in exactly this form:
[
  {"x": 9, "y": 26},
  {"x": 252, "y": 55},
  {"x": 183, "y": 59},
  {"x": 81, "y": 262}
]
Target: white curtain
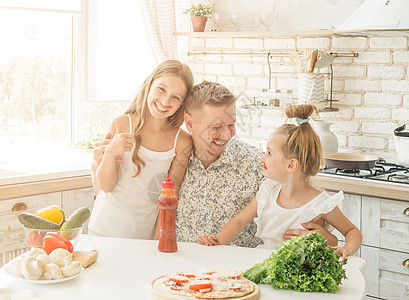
[{"x": 162, "y": 18}]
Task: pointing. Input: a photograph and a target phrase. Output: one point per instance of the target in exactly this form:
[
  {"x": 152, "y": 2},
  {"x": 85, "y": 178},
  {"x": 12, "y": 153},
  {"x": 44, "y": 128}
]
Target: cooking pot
[
  {"x": 350, "y": 161},
  {"x": 401, "y": 138}
]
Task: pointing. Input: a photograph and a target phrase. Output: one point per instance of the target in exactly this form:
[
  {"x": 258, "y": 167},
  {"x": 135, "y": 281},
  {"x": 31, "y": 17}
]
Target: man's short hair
[{"x": 211, "y": 93}]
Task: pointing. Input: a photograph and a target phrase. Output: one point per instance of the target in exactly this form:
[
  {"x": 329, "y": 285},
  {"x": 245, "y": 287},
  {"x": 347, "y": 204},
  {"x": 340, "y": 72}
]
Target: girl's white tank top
[{"x": 130, "y": 210}]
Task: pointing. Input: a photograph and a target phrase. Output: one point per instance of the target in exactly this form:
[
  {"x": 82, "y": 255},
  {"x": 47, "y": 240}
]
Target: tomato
[
  {"x": 53, "y": 240},
  {"x": 201, "y": 286},
  {"x": 188, "y": 275},
  {"x": 35, "y": 238},
  {"x": 32, "y": 238},
  {"x": 179, "y": 279}
]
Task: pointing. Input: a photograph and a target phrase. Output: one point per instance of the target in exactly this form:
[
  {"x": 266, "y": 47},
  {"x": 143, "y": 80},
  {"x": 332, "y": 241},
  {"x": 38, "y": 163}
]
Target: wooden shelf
[{"x": 256, "y": 34}]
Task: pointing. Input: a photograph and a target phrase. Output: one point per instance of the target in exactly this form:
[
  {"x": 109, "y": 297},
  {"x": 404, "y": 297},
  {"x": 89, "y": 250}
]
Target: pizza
[{"x": 208, "y": 284}]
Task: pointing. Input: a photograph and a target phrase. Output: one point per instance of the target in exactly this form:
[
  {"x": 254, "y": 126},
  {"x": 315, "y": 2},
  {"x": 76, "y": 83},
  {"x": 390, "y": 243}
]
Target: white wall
[
  {"x": 290, "y": 14},
  {"x": 373, "y": 90}
]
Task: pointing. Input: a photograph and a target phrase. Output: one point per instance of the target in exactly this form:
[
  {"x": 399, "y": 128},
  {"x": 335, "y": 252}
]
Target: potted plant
[{"x": 198, "y": 14}]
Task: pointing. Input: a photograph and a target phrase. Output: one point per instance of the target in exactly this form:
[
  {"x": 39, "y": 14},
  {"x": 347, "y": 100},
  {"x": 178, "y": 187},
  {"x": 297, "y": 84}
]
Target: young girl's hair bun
[
  {"x": 301, "y": 111},
  {"x": 301, "y": 141}
]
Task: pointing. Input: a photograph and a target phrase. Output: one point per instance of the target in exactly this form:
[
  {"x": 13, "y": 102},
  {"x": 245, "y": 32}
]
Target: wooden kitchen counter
[{"x": 359, "y": 186}]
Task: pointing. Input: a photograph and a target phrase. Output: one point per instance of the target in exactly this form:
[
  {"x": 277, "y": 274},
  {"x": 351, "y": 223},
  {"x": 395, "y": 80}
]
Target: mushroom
[
  {"x": 31, "y": 268},
  {"x": 67, "y": 260},
  {"x": 72, "y": 269},
  {"x": 36, "y": 252},
  {"x": 57, "y": 256},
  {"x": 44, "y": 259},
  {"x": 51, "y": 271}
]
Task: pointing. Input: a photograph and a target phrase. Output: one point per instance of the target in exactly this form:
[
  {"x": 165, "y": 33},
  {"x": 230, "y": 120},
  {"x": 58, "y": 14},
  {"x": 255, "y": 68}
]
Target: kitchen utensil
[
  {"x": 349, "y": 161},
  {"x": 296, "y": 61},
  {"x": 324, "y": 61},
  {"x": 311, "y": 61},
  {"x": 401, "y": 138},
  {"x": 304, "y": 57}
]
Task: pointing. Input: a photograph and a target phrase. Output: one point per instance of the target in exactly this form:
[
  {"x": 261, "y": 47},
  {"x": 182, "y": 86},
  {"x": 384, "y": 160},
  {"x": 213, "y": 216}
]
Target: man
[{"x": 223, "y": 174}]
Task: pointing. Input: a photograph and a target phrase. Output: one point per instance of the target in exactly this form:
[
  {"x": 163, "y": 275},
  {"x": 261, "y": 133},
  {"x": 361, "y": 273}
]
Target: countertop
[{"x": 126, "y": 266}]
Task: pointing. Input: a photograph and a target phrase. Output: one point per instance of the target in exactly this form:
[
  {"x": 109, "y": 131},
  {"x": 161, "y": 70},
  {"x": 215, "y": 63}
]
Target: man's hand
[
  {"x": 311, "y": 227},
  {"x": 209, "y": 240}
]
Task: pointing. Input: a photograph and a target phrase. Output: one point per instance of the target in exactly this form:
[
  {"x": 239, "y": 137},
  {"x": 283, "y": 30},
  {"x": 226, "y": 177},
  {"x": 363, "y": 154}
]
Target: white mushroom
[
  {"x": 67, "y": 260},
  {"x": 51, "y": 271},
  {"x": 31, "y": 268},
  {"x": 44, "y": 259},
  {"x": 35, "y": 252},
  {"x": 73, "y": 269},
  {"x": 57, "y": 256}
]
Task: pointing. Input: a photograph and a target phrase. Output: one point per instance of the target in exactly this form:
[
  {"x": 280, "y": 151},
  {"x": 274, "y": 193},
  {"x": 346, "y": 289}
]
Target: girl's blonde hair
[
  {"x": 301, "y": 142},
  {"x": 139, "y": 105}
]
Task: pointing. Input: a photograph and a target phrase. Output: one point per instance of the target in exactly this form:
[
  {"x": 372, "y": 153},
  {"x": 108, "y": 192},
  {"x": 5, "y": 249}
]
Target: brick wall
[{"x": 373, "y": 89}]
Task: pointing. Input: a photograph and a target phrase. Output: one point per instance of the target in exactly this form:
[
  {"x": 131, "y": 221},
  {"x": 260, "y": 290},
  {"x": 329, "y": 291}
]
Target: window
[{"x": 66, "y": 66}]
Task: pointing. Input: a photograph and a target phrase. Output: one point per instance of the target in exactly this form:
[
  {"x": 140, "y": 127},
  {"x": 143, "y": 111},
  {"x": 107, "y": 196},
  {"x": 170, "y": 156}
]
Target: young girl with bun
[
  {"x": 286, "y": 199},
  {"x": 147, "y": 143}
]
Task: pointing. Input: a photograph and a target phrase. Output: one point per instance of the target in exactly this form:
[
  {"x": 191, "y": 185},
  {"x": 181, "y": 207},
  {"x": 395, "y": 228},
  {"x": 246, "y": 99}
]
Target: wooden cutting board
[{"x": 155, "y": 289}]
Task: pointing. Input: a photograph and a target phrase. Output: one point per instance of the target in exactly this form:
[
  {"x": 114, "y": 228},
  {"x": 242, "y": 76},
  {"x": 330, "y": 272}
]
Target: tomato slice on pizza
[{"x": 208, "y": 285}]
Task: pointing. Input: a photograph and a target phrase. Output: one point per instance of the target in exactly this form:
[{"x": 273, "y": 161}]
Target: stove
[{"x": 382, "y": 171}]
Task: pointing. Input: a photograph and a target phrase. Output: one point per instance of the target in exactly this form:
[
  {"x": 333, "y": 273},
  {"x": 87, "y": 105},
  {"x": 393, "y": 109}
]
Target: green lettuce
[{"x": 304, "y": 263}]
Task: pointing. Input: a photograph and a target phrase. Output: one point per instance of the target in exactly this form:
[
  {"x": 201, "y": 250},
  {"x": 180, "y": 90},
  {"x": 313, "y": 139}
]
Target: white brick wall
[{"x": 373, "y": 90}]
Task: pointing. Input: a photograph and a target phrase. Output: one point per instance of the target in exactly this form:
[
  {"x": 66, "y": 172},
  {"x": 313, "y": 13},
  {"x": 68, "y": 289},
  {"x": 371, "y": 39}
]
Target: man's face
[{"x": 212, "y": 128}]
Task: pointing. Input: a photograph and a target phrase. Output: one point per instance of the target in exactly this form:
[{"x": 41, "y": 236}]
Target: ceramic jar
[{"x": 329, "y": 140}]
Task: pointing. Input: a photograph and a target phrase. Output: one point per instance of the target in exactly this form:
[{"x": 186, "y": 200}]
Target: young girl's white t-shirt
[{"x": 273, "y": 220}]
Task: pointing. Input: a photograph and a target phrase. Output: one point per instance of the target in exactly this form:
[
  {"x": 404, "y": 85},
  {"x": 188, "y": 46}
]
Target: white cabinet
[
  {"x": 12, "y": 239},
  {"x": 385, "y": 247}
]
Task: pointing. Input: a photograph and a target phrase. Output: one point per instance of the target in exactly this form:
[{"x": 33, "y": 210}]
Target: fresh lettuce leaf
[{"x": 304, "y": 263}]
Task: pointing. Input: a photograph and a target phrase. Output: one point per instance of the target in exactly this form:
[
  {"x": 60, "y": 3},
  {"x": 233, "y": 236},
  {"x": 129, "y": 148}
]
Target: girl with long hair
[{"x": 147, "y": 143}]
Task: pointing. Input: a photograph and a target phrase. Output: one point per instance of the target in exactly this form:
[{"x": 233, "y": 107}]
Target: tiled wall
[{"x": 373, "y": 89}]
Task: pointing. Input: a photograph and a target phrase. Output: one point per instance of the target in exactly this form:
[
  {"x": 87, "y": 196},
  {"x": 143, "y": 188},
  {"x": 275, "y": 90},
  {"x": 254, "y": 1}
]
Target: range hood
[{"x": 378, "y": 16}]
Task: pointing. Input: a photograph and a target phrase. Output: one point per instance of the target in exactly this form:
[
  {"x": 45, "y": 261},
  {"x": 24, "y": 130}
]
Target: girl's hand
[
  {"x": 311, "y": 227},
  {"x": 342, "y": 250},
  {"x": 122, "y": 142},
  {"x": 99, "y": 150},
  {"x": 209, "y": 240}
]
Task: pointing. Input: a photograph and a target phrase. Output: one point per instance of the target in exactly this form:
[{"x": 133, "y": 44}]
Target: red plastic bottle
[{"x": 167, "y": 202}]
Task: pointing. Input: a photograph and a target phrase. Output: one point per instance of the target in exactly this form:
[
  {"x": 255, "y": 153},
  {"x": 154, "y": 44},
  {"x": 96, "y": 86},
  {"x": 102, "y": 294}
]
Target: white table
[{"x": 125, "y": 266}]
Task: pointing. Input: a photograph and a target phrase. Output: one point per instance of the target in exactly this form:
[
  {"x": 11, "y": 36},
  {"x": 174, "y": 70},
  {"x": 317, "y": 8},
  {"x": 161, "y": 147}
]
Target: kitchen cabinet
[
  {"x": 385, "y": 246},
  {"x": 12, "y": 239}
]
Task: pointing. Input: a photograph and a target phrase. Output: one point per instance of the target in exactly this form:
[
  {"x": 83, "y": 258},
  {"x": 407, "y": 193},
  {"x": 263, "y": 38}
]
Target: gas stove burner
[
  {"x": 399, "y": 178},
  {"x": 347, "y": 171}
]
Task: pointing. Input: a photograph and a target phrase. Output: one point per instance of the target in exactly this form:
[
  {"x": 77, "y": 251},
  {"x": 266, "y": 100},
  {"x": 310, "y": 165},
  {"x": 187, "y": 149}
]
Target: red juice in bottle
[{"x": 167, "y": 202}]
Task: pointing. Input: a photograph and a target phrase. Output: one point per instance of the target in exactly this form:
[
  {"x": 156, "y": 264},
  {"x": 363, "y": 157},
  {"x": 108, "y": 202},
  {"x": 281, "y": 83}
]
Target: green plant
[
  {"x": 89, "y": 136},
  {"x": 203, "y": 10},
  {"x": 304, "y": 263}
]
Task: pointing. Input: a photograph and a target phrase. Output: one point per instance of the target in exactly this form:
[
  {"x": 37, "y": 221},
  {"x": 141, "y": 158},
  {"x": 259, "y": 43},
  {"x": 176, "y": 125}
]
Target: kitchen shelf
[{"x": 257, "y": 34}]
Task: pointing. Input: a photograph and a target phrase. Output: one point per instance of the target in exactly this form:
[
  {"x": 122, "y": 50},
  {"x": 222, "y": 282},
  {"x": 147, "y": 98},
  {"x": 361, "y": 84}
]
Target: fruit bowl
[{"x": 35, "y": 236}]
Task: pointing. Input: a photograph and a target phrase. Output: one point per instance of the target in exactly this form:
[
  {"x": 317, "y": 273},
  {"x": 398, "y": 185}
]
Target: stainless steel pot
[{"x": 350, "y": 161}]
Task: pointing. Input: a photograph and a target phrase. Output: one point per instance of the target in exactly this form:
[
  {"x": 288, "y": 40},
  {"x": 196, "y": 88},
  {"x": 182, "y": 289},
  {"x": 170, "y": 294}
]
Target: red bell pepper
[{"x": 53, "y": 240}]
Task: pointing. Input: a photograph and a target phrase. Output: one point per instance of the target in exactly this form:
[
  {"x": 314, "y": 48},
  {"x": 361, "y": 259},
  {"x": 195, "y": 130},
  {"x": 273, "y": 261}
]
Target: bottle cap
[{"x": 167, "y": 183}]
